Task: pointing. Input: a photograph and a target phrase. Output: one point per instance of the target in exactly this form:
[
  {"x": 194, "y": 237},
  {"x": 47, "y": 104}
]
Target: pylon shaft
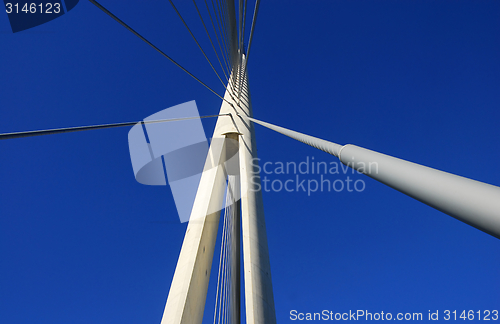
[
  {"x": 259, "y": 300},
  {"x": 188, "y": 291}
]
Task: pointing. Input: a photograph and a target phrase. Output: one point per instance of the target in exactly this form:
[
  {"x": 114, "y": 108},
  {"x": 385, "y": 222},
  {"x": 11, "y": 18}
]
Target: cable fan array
[
  {"x": 226, "y": 309},
  {"x": 230, "y": 39}
]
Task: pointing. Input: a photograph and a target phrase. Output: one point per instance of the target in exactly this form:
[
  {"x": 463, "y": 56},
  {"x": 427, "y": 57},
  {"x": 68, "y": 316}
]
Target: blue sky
[{"x": 82, "y": 242}]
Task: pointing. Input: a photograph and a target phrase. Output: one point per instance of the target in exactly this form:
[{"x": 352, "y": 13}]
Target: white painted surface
[
  {"x": 188, "y": 292},
  {"x": 187, "y": 296}
]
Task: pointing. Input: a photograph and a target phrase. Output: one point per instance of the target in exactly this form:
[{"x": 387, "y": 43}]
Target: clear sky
[{"x": 82, "y": 242}]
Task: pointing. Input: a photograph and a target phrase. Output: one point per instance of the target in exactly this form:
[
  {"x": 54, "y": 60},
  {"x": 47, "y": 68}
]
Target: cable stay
[
  {"x": 211, "y": 42},
  {"x": 238, "y": 67},
  {"x": 252, "y": 29},
  {"x": 240, "y": 20},
  {"x": 237, "y": 74},
  {"x": 196, "y": 41},
  {"x": 472, "y": 202},
  {"x": 153, "y": 46},
  {"x": 226, "y": 303},
  {"x": 218, "y": 35},
  {"x": 92, "y": 127},
  {"x": 222, "y": 23},
  {"x": 244, "y": 24},
  {"x": 225, "y": 14}
]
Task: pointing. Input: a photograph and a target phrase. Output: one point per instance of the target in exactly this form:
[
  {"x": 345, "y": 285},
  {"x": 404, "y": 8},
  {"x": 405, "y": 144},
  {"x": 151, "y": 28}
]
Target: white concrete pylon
[
  {"x": 233, "y": 184},
  {"x": 259, "y": 300},
  {"x": 187, "y": 295}
]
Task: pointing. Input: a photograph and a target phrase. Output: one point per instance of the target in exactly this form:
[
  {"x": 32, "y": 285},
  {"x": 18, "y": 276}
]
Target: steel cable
[
  {"x": 224, "y": 58},
  {"x": 197, "y": 43},
  {"x": 91, "y": 127},
  {"x": 98, "y": 5},
  {"x": 211, "y": 42}
]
